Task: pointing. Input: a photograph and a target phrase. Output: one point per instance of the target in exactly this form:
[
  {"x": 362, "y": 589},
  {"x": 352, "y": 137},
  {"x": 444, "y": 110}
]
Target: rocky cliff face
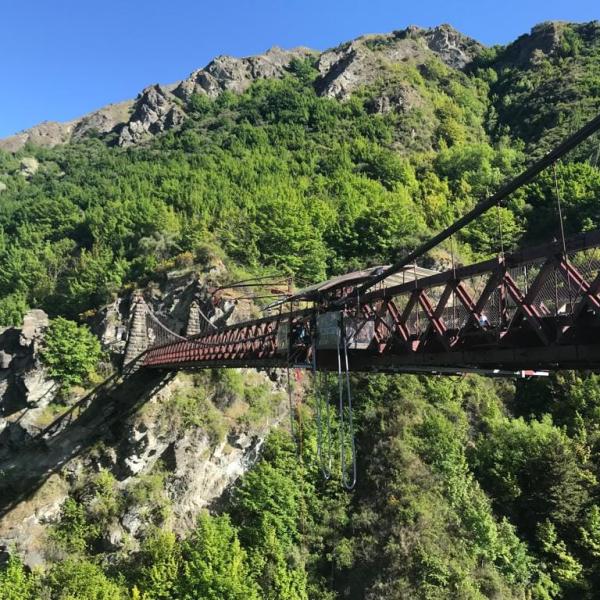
[
  {"x": 155, "y": 110},
  {"x": 342, "y": 70},
  {"x": 189, "y": 433},
  {"x": 236, "y": 74},
  {"x": 25, "y": 387},
  {"x": 188, "y": 464},
  {"x": 361, "y": 62},
  {"x": 50, "y": 133}
]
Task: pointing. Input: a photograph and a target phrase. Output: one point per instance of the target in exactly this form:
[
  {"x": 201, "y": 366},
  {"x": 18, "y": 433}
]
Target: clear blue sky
[{"x": 62, "y": 58}]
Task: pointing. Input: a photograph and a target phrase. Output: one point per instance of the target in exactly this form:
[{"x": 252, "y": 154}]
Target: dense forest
[{"x": 467, "y": 487}]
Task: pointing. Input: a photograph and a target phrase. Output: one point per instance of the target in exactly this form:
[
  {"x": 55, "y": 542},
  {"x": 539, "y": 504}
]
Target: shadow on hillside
[{"x": 91, "y": 419}]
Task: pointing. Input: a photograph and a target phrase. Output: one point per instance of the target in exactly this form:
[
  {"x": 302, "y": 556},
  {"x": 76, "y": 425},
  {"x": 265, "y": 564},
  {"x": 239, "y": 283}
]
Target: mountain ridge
[{"x": 158, "y": 107}]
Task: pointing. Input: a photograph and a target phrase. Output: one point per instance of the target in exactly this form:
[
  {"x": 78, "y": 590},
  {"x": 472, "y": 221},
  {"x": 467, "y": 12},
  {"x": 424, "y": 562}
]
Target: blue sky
[{"x": 60, "y": 59}]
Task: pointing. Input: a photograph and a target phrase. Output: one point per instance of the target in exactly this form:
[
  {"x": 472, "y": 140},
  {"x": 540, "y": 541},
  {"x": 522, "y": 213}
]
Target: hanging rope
[
  {"x": 325, "y": 464},
  {"x": 344, "y": 377},
  {"x": 289, "y": 378}
]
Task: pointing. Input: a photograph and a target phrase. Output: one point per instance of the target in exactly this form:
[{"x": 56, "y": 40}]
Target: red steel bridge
[
  {"x": 533, "y": 309},
  {"x": 538, "y": 308}
]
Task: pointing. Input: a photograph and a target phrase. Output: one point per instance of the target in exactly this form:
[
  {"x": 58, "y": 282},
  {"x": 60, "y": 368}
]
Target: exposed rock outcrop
[
  {"x": 25, "y": 387},
  {"x": 51, "y": 133},
  {"x": 454, "y": 48},
  {"x": 28, "y": 166},
  {"x": 155, "y": 111},
  {"x": 47, "y": 134},
  {"x": 236, "y": 74},
  {"x": 363, "y": 61}
]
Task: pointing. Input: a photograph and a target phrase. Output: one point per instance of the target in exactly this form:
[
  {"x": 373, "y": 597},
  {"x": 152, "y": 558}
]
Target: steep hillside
[{"x": 307, "y": 164}]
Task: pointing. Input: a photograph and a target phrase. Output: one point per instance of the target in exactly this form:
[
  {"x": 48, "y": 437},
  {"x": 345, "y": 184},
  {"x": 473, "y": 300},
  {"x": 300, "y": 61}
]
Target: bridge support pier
[
  {"x": 137, "y": 339},
  {"x": 193, "y": 326}
]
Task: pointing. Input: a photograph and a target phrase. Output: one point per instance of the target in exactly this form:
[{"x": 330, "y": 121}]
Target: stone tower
[{"x": 137, "y": 339}]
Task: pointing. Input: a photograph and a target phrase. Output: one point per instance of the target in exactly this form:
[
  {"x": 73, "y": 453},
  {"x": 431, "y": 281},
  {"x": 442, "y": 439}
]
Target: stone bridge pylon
[{"x": 137, "y": 339}]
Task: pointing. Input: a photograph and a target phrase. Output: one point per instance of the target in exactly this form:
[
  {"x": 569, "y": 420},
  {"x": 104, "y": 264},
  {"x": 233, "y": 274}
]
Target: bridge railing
[{"x": 532, "y": 285}]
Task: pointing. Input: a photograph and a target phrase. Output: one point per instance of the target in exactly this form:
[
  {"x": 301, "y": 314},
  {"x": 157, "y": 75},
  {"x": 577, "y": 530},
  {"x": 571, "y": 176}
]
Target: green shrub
[
  {"x": 71, "y": 352},
  {"x": 12, "y": 310},
  {"x": 16, "y": 583}
]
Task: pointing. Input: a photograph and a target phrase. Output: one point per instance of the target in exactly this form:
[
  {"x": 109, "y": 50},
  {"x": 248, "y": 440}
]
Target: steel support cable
[
  {"x": 164, "y": 329},
  {"x": 562, "y": 234},
  {"x": 525, "y": 177},
  {"x": 206, "y": 318},
  {"x": 344, "y": 377}
]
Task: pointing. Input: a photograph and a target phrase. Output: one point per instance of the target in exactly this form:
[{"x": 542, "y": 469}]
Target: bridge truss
[{"x": 538, "y": 308}]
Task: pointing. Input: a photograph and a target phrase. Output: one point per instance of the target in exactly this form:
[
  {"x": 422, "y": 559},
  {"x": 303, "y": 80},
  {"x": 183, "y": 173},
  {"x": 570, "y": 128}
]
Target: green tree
[
  {"x": 562, "y": 567},
  {"x": 279, "y": 578},
  {"x": 71, "y": 352},
  {"x": 12, "y": 310},
  {"x": 161, "y": 558},
  {"x": 95, "y": 276},
  {"x": 78, "y": 579},
  {"x": 214, "y": 564},
  {"x": 16, "y": 583},
  {"x": 533, "y": 473}
]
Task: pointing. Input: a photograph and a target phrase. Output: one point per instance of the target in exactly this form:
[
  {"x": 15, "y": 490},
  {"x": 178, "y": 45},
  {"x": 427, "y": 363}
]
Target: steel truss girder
[{"x": 418, "y": 333}]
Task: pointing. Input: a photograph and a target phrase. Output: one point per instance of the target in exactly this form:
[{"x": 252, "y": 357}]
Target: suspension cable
[
  {"x": 562, "y": 234},
  {"x": 501, "y": 236},
  {"x": 560, "y": 215},
  {"x": 206, "y": 318},
  {"x": 525, "y": 177}
]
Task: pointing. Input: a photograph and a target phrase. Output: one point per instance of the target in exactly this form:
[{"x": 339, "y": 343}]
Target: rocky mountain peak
[
  {"x": 236, "y": 74},
  {"x": 543, "y": 40},
  {"x": 454, "y": 48},
  {"x": 359, "y": 62},
  {"x": 155, "y": 110},
  {"x": 546, "y": 40}
]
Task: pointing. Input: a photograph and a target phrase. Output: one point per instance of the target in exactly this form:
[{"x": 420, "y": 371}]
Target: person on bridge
[{"x": 300, "y": 334}]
